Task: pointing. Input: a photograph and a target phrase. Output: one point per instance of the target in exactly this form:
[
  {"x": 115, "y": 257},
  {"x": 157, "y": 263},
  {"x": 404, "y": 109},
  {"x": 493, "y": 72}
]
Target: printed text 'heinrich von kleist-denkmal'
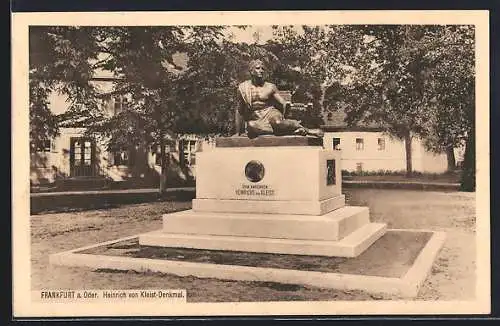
[{"x": 169, "y": 295}]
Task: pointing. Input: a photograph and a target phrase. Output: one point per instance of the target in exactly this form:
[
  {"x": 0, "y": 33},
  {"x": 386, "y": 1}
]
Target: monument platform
[{"x": 397, "y": 264}]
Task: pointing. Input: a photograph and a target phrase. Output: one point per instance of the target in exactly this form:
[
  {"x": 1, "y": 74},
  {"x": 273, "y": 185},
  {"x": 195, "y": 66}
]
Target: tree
[
  {"x": 209, "y": 86},
  {"x": 60, "y": 61},
  {"x": 401, "y": 78},
  {"x": 320, "y": 55},
  {"x": 166, "y": 99},
  {"x": 142, "y": 59},
  {"x": 368, "y": 71},
  {"x": 450, "y": 85},
  {"x": 388, "y": 89}
]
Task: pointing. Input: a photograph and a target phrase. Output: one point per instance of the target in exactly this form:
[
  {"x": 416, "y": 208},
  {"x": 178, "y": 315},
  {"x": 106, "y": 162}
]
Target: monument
[
  {"x": 262, "y": 109},
  {"x": 273, "y": 190}
]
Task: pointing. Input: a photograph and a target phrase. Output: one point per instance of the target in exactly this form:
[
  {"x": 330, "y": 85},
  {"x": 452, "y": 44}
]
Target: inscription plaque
[
  {"x": 254, "y": 171},
  {"x": 330, "y": 172}
]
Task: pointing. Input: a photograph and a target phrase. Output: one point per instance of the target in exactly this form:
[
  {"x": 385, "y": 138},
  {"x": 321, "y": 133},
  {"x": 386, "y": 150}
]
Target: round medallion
[{"x": 254, "y": 171}]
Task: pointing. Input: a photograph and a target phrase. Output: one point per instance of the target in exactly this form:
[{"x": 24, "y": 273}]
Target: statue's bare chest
[{"x": 261, "y": 93}]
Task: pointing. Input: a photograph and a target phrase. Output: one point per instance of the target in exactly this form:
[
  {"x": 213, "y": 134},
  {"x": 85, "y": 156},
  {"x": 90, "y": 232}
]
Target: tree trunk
[
  {"x": 468, "y": 178},
  {"x": 409, "y": 166},
  {"x": 164, "y": 166},
  {"x": 450, "y": 157},
  {"x": 322, "y": 100}
]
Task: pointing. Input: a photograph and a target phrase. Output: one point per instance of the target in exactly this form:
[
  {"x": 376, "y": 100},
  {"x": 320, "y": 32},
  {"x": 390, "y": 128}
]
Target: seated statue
[{"x": 258, "y": 108}]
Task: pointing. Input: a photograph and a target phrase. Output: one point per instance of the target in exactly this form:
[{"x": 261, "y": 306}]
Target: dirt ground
[{"x": 451, "y": 278}]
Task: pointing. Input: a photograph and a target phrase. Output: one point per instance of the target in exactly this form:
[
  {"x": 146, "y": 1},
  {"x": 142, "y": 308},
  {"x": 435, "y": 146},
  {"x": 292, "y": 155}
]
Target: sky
[{"x": 246, "y": 35}]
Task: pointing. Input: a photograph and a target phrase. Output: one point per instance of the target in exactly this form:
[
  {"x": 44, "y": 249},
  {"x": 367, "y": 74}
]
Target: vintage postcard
[{"x": 250, "y": 163}]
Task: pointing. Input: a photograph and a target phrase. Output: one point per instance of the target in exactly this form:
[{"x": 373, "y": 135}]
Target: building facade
[
  {"x": 366, "y": 148},
  {"x": 373, "y": 151},
  {"x": 72, "y": 155}
]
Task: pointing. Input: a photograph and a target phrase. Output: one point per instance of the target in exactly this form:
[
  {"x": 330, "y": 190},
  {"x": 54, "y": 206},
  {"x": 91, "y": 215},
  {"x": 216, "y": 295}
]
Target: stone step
[
  {"x": 329, "y": 227},
  {"x": 269, "y": 207},
  {"x": 351, "y": 246}
]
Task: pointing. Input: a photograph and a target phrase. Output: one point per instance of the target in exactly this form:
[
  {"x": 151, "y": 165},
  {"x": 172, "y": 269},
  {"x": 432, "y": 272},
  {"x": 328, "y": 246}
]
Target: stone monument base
[
  {"x": 344, "y": 232},
  {"x": 350, "y": 246},
  {"x": 270, "y": 194},
  {"x": 319, "y": 207}
]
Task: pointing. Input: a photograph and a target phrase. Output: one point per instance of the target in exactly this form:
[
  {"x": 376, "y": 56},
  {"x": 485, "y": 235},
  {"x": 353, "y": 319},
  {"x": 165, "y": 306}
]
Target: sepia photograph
[{"x": 250, "y": 163}]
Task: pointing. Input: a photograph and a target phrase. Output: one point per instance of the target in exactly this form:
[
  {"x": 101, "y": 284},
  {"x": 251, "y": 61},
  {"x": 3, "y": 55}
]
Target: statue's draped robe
[{"x": 258, "y": 110}]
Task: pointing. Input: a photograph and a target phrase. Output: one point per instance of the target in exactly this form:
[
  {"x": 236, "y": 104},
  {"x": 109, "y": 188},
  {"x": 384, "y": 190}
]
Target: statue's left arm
[{"x": 284, "y": 104}]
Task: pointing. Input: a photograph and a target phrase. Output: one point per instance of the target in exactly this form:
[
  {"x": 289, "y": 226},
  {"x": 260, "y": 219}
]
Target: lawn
[{"x": 452, "y": 277}]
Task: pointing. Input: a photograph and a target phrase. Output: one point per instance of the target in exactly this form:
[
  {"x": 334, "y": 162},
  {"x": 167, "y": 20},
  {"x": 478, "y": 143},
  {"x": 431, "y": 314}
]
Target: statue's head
[{"x": 257, "y": 69}]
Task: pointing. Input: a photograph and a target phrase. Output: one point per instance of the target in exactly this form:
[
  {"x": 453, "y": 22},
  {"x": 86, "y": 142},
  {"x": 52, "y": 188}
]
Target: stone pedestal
[{"x": 270, "y": 194}]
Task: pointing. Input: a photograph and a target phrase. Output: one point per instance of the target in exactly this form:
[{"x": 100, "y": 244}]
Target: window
[
  {"x": 119, "y": 103},
  {"x": 105, "y": 102},
  {"x": 359, "y": 167},
  {"x": 336, "y": 144},
  {"x": 188, "y": 152},
  {"x": 381, "y": 144},
  {"x": 87, "y": 153},
  {"x": 123, "y": 157},
  {"x": 360, "y": 145}
]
